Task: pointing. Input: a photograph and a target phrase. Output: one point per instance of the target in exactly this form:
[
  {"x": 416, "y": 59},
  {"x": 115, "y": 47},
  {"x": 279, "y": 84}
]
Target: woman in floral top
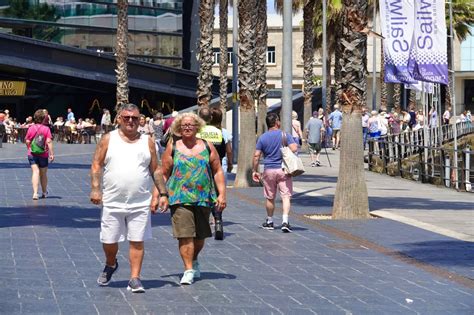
[{"x": 192, "y": 169}]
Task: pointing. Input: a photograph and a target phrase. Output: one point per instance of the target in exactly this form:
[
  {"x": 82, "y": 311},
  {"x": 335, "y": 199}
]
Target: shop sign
[{"x": 12, "y": 88}]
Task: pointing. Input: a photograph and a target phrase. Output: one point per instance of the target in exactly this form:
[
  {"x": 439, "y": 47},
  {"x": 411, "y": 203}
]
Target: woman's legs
[
  {"x": 43, "y": 179},
  {"x": 35, "y": 175}
]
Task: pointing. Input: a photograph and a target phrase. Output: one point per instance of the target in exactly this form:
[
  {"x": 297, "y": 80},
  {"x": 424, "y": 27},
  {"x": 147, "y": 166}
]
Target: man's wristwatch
[{"x": 164, "y": 195}]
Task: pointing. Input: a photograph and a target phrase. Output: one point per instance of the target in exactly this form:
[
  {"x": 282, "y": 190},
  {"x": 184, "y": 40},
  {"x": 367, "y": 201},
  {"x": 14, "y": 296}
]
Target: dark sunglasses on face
[
  {"x": 187, "y": 126},
  {"x": 133, "y": 118}
]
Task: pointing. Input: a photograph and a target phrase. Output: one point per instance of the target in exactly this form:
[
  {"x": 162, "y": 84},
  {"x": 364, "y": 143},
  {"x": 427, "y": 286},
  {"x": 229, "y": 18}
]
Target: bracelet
[{"x": 164, "y": 195}]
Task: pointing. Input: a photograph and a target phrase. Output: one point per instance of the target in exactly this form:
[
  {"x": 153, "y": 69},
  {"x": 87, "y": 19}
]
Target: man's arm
[
  {"x": 230, "y": 157},
  {"x": 159, "y": 195},
  {"x": 96, "y": 169},
  {"x": 256, "y": 159}
]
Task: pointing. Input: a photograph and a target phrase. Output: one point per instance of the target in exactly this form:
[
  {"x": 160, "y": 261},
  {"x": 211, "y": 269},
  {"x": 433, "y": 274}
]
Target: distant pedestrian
[
  {"x": 106, "y": 121},
  {"x": 193, "y": 172},
  {"x": 214, "y": 135},
  {"x": 273, "y": 177},
  {"x": 335, "y": 119},
  {"x": 314, "y": 129},
  {"x": 129, "y": 164},
  {"x": 157, "y": 124},
  {"x": 365, "y": 126},
  {"x": 433, "y": 117},
  {"x": 447, "y": 116},
  {"x": 70, "y": 115},
  {"x": 39, "y": 142},
  {"x": 296, "y": 131}
]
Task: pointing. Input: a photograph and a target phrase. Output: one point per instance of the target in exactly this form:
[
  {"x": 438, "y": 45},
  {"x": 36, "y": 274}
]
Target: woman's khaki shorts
[{"x": 190, "y": 221}]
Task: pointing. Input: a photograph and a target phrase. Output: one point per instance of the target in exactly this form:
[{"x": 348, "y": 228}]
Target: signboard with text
[{"x": 12, "y": 88}]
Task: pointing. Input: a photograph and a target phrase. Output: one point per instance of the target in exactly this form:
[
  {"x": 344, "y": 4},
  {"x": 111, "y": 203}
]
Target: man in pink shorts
[{"x": 273, "y": 176}]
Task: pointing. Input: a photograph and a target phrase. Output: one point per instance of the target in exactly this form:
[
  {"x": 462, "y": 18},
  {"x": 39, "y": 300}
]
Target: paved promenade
[{"x": 419, "y": 262}]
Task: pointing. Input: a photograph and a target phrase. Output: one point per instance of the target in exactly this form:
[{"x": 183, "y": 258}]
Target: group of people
[{"x": 189, "y": 180}]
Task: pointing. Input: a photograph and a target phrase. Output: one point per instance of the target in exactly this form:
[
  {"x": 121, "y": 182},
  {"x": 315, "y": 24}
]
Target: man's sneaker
[
  {"x": 267, "y": 225},
  {"x": 196, "y": 270},
  {"x": 188, "y": 277},
  {"x": 219, "y": 230},
  {"x": 45, "y": 195},
  {"x": 135, "y": 285},
  {"x": 106, "y": 275},
  {"x": 313, "y": 164},
  {"x": 318, "y": 163},
  {"x": 286, "y": 228}
]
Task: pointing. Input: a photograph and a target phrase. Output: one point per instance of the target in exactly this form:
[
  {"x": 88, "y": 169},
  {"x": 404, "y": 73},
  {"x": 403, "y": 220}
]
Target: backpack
[{"x": 38, "y": 143}]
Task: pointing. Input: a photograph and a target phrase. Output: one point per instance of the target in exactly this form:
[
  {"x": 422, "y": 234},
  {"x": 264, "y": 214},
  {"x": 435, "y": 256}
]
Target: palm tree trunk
[
  {"x": 247, "y": 53},
  {"x": 397, "y": 96},
  {"x": 383, "y": 84},
  {"x": 121, "y": 49},
  {"x": 223, "y": 62},
  {"x": 351, "y": 198},
  {"x": 260, "y": 64},
  {"x": 206, "y": 19},
  {"x": 338, "y": 63},
  {"x": 308, "y": 60}
]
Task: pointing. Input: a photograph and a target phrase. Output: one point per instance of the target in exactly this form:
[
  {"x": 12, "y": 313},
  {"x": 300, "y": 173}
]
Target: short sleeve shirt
[
  {"x": 33, "y": 131},
  {"x": 336, "y": 118},
  {"x": 314, "y": 126},
  {"x": 270, "y": 143}
]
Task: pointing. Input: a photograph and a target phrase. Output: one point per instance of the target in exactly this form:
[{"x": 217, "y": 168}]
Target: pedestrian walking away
[
  {"x": 128, "y": 197},
  {"x": 192, "y": 168},
  {"x": 39, "y": 143},
  {"x": 314, "y": 129},
  {"x": 273, "y": 177}
]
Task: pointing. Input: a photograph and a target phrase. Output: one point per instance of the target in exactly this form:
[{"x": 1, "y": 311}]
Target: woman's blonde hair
[
  {"x": 294, "y": 115},
  {"x": 176, "y": 125}
]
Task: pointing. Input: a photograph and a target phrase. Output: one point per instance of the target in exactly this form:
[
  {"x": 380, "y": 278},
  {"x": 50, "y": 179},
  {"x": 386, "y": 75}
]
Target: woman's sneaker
[
  {"x": 106, "y": 275},
  {"x": 45, "y": 195},
  {"x": 188, "y": 277},
  {"x": 135, "y": 285}
]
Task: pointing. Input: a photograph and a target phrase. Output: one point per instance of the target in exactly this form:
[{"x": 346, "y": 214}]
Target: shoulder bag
[{"x": 291, "y": 163}]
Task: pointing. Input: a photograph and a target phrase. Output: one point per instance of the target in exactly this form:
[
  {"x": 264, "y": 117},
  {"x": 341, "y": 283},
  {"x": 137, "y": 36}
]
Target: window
[
  {"x": 467, "y": 53},
  {"x": 217, "y": 55},
  {"x": 271, "y": 55}
]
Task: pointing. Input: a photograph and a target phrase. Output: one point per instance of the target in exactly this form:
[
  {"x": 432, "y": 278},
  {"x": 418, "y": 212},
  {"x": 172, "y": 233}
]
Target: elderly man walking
[{"x": 130, "y": 166}]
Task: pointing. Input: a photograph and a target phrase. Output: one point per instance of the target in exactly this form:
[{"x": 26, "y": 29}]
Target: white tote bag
[{"x": 291, "y": 163}]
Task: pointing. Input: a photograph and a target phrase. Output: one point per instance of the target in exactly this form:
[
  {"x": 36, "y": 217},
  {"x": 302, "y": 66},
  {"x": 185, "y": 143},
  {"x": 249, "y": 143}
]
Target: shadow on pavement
[
  {"x": 50, "y": 166},
  {"x": 205, "y": 275},
  {"x": 60, "y": 216},
  {"x": 147, "y": 284},
  {"x": 447, "y": 253}
]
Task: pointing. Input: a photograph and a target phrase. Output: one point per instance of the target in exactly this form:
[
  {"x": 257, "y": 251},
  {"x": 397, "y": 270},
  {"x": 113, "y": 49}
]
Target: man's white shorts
[{"x": 118, "y": 224}]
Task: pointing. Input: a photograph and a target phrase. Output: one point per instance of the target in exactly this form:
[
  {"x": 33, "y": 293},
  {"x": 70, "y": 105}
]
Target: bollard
[
  {"x": 467, "y": 167},
  {"x": 447, "y": 164}
]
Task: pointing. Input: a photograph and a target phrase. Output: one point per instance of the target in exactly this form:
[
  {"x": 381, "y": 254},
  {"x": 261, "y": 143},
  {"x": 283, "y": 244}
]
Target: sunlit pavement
[{"x": 50, "y": 255}]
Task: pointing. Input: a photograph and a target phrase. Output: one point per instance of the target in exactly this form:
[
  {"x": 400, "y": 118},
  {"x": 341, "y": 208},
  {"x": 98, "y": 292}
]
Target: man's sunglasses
[{"x": 133, "y": 118}]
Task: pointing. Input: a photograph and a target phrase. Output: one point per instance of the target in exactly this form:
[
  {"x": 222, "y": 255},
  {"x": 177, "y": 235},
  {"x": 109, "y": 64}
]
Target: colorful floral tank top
[{"x": 191, "y": 181}]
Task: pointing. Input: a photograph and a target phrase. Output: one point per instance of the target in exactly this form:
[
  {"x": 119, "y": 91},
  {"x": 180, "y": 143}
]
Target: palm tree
[
  {"x": 206, "y": 25},
  {"x": 333, "y": 31},
  {"x": 260, "y": 65},
  {"x": 121, "y": 49},
  {"x": 463, "y": 19},
  {"x": 308, "y": 57},
  {"x": 224, "y": 60},
  {"x": 351, "y": 198},
  {"x": 247, "y": 51}
]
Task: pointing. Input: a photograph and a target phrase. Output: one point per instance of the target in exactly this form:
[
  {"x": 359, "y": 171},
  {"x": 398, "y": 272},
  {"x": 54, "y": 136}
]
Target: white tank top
[{"x": 127, "y": 178}]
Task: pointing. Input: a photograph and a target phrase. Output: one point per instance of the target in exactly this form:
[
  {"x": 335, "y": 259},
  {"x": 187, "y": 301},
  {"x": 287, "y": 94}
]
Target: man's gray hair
[{"x": 128, "y": 106}]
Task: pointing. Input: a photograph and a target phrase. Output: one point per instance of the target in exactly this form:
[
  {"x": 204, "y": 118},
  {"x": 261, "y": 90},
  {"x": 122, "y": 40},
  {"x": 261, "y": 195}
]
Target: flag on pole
[
  {"x": 397, "y": 28},
  {"x": 428, "y": 55}
]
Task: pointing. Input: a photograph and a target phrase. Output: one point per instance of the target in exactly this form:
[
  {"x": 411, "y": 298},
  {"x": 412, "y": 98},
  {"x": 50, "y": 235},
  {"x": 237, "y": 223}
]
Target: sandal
[{"x": 35, "y": 196}]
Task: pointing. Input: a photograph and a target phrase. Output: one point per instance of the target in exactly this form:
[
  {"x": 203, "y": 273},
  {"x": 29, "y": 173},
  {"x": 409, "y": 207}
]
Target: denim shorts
[{"x": 42, "y": 162}]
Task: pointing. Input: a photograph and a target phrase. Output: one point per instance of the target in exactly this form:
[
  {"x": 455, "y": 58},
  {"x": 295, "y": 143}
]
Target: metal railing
[{"x": 426, "y": 155}]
